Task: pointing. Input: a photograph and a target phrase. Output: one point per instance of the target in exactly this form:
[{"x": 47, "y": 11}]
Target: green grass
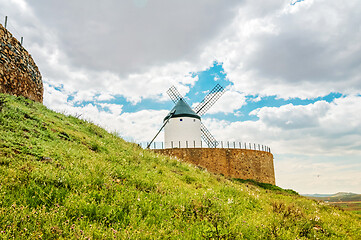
[{"x": 64, "y": 178}]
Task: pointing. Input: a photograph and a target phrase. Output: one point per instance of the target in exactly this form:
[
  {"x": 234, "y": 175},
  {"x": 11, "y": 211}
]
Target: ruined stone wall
[
  {"x": 235, "y": 163},
  {"x": 18, "y": 73}
]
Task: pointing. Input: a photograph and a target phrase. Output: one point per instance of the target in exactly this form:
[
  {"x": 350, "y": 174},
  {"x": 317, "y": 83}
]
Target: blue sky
[{"x": 291, "y": 70}]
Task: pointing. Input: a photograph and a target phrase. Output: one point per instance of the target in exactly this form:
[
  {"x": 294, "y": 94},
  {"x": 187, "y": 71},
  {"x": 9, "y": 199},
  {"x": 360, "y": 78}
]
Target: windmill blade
[
  {"x": 208, "y": 137},
  {"x": 209, "y": 100},
  {"x": 174, "y": 94},
  {"x": 171, "y": 114}
]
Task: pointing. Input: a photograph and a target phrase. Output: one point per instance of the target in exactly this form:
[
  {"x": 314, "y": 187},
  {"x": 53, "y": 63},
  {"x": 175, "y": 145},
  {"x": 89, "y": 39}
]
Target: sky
[{"x": 291, "y": 70}]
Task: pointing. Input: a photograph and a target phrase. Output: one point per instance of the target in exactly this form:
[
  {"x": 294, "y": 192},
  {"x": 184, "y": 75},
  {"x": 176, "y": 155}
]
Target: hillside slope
[{"x": 61, "y": 177}]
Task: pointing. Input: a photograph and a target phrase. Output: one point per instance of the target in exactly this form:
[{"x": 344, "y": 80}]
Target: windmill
[{"x": 183, "y": 124}]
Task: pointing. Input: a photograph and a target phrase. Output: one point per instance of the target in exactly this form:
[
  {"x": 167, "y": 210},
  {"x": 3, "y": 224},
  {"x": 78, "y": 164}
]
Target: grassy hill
[{"x": 61, "y": 177}]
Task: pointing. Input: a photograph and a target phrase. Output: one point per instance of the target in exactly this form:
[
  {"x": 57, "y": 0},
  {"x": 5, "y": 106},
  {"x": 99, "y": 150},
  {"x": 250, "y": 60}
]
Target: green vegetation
[
  {"x": 61, "y": 178},
  {"x": 267, "y": 186}
]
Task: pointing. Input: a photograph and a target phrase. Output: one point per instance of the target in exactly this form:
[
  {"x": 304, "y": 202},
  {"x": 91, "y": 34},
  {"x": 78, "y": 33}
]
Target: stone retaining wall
[
  {"x": 19, "y": 74},
  {"x": 235, "y": 163}
]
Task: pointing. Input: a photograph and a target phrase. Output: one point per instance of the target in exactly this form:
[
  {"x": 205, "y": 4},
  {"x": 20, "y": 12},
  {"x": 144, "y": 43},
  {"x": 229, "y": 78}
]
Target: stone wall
[
  {"x": 235, "y": 163},
  {"x": 18, "y": 73}
]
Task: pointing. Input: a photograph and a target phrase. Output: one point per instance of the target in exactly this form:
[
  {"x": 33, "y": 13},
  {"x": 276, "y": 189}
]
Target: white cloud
[
  {"x": 23, "y": 6},
  {"x": 320, "y": 128},
  {"x": 104, "y": 97},
  {"x": 227, "y": 103},
  {"x": 79, "y": 46},
  {"x": 115, "y": 109},
  {"x": 307, "y": 50},
  {"x": 53, "y": 97},
  {"x": 293, "y": 117},
  {"x": 317, "y": 174},
  {"x": 139, "y": 126}
]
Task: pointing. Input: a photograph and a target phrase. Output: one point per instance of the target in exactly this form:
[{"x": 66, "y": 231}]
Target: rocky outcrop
[{"x": 19, "y": 74}]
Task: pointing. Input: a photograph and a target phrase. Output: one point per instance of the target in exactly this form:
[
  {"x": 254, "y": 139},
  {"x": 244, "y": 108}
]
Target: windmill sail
[
  {"x": 165, "y": 123},
  {"x": 208, "y": 137},
  {"x": 174, "y": 94},
  {"x": 209, "y": 100}
]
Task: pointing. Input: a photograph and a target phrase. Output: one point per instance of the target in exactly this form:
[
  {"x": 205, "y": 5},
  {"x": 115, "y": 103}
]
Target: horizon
[{"x": 291, "y": 70}]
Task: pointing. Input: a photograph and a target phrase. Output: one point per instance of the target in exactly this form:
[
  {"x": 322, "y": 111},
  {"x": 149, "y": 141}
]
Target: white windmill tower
[{"x": 183, "y": 127}]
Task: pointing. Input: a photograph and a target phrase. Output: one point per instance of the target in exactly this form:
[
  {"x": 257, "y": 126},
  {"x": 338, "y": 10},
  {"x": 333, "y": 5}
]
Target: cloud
[
  {"x": 129, "y": 38},
  {"x": 115, "y": 109},
  {"x": 227, "y": 103},
  {"x": 139, "y": 126},
  {"x": 318, "y": 174},
  {"x": 104, "y": 97},
  {"x": 293, "y": 117},
  {"x": 122, "y": 48},
  {"x": 320, "y": 128},
  {"x": 117, "y": 48},
  {"x": 306, "y": 50}
]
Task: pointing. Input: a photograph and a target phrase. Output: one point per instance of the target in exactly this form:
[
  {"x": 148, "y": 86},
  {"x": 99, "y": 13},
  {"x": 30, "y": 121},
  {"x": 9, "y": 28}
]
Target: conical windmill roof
[{"x": 181, "y": 109}]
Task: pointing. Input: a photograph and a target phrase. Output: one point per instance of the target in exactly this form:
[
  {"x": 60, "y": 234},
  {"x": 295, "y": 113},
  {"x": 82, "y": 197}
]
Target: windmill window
[
  {"x": 194, "y": 120},
  {"x": 180, "y": 119}
]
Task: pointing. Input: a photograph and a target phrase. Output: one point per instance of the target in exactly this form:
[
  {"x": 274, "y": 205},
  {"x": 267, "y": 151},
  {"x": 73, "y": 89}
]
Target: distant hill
[
  {"x": 65, "y": 178},
  {"x": 317, "y": 195},
  {"x": 338, "y": 197}
]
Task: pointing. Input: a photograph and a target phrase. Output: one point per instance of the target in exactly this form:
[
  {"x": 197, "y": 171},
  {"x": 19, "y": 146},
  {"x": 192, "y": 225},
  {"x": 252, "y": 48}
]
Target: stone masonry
[
  {"x": 19, "y": 74},
  {"x": 235, "y": 163}
]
